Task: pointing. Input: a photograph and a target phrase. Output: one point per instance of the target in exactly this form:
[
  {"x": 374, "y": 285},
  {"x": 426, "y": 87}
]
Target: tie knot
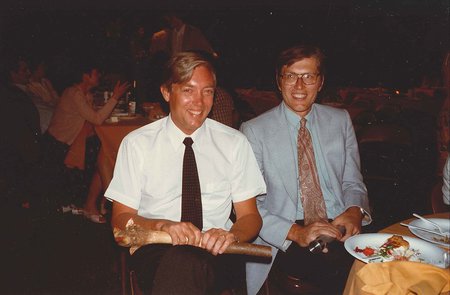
[
  {"x": 188, "y": 141},
  {"x": 302, "y": 123}
]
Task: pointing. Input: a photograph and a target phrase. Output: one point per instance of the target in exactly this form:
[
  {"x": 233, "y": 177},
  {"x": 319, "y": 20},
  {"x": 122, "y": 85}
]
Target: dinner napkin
[{"x": 399, "y": 278}]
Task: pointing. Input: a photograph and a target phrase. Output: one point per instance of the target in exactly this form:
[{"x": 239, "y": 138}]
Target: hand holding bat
[{"x": 134, "y": 236}]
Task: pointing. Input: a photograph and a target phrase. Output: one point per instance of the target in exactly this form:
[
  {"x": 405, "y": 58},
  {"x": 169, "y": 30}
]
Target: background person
[
  {"x": 20, "y": 143},
  {"x": 178, "y": 36},
  {"x": 73, "y": 119},
  {"x": 294, "y": 215},
  {"x": 148, "y": 186},
  {"x": 44, "y": 95},
  {"x": 40, "y": 85},
  {"x": 223, "y": 108}
]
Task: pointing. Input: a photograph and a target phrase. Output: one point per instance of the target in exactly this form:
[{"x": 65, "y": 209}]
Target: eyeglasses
[{"x": 307, "y": 78}]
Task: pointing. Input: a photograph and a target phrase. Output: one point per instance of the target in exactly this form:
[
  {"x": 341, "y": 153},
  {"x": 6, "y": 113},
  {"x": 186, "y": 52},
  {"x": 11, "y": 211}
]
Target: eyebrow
[{"x": 189, "y": 84}]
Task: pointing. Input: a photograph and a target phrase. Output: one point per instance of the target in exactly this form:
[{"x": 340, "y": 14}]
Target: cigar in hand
[{"x": 322, "y": 241}]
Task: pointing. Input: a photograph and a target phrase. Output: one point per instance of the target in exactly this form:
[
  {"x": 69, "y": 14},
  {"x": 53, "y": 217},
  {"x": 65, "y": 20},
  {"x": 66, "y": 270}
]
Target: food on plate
[
  {"x": 395, "y": 248},
  {"x": 445, "y": 239},
  {"x": 366, "y": 251}
]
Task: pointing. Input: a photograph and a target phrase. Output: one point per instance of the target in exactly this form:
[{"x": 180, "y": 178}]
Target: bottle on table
[
  {"x": 131, "y": 100},
  {"x": 105, "y": 96}
]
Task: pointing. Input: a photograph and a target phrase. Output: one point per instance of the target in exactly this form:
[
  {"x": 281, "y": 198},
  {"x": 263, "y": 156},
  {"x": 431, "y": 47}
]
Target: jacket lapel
[
  {"x": 282, "y": 154},
  {"x": 326, "y": 138},
  {"x": 321, "y": 127}
]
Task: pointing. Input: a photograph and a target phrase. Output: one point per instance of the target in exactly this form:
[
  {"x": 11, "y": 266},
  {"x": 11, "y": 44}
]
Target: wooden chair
[
  {"x": 287, "y": 284},
  {"x": 127, "y": 276}
]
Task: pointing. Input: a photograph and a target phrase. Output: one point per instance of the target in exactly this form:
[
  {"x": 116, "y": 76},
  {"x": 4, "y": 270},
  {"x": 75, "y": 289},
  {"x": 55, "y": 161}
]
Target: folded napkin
[{"x": 399, "y": 278}]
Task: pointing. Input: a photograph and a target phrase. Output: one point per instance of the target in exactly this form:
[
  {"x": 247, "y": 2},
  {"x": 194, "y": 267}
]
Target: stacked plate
[{"x": 430, "y": 237}]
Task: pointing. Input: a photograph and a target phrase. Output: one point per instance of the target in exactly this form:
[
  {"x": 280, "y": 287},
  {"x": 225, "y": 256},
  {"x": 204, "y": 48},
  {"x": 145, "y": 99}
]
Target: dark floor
[{"x": 61, "y": 254}]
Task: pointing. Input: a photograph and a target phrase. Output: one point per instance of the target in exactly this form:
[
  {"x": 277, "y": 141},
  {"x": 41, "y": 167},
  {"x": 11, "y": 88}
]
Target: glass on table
[{"x": 446, "y": 259}]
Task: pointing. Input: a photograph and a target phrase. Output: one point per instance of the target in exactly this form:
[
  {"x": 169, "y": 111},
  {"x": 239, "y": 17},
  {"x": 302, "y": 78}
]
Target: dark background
[{"x": 368, "y": 43}]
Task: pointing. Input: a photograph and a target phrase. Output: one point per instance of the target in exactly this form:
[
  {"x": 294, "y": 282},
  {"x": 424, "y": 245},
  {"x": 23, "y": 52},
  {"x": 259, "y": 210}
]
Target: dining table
[
  {"x": 111, "y": 133},
  {"x": 353, "y": 285}
]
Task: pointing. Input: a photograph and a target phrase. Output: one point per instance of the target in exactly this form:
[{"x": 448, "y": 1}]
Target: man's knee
[{"x": 184, "y": 269}]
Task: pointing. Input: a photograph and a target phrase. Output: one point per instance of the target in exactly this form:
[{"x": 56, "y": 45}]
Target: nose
[
  {"x": 299, "y": 84},
  {"x": 197, "y": 98}
]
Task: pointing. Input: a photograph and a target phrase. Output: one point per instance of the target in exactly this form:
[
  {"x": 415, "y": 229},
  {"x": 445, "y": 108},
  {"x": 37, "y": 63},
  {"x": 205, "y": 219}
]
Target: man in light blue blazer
[{"x": 273, "y": 136}]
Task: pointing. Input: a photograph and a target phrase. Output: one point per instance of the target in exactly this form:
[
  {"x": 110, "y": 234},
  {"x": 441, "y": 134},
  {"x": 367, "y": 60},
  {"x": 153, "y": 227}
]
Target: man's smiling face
[{"x": 190, "y": 102}]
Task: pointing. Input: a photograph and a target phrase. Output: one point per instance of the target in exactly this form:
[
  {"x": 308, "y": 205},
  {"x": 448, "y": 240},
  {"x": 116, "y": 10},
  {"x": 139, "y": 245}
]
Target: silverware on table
[
  {"x": 425, "y": 230},
  {"x": 432, "y": 223}
]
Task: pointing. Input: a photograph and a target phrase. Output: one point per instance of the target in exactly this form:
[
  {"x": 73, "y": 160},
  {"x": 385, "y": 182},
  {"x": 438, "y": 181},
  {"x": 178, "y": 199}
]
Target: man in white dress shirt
[{"x": 147, "y": 186}]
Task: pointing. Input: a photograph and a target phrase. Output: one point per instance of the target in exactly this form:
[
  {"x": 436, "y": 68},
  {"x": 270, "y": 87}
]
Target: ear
[
  {"x": 165, "y": 92},
  {"x": 321, "y": 82}
]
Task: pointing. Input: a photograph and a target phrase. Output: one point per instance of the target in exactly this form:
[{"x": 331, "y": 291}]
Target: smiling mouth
[
  {"x": 195, "y": 113},
  {"x": 299, "y": 96}
]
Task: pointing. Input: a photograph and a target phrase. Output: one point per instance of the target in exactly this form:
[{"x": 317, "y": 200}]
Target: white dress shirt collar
[{"x": 176, "y": 136}]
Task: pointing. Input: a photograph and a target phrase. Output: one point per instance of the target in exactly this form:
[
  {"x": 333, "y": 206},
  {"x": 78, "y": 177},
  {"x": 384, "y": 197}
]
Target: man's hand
[
  {"x": 217, "y": 240},
  {"x": 303, "y": 235},
  {"x": 350, "y": 219},
  {"x": 182, "y": 233},
  {"x": 119, "y": 89}
]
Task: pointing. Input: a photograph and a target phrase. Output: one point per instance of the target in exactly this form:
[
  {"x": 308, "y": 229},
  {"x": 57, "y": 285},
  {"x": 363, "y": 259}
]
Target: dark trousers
[
  {"x": 167, "y": 269},
  {"x": 64, "y": 184},
  {"x": 53, "y": 179},
  {"x": 327, "y": 272}
]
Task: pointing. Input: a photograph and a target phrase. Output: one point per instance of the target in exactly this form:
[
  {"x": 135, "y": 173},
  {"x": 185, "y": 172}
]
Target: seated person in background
[
  {"x": 309, "y": 157},
  {"x": 20, "y": 148},
  {"x": 151, "y": 186},
  {"x": 43, "y": 94},
  {"x": 446, "y": 182},
  {"x": 40, "y": 85},
  {"x": 74, "y": 116},
  {"x": 223, "y": 108}
]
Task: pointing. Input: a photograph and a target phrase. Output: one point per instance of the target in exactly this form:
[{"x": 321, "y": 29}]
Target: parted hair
[
  {"x": 180, "y": 67},
  {"x": 293, "y": 54}
]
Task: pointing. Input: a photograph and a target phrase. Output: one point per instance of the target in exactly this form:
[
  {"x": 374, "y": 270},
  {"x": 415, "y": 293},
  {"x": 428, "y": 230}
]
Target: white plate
[
  {"x": 119, "y": 114},
  {"x": 442, "y": 222},
  {"x": 129, "y": 117},
  {"x": 429, "y": 253}
]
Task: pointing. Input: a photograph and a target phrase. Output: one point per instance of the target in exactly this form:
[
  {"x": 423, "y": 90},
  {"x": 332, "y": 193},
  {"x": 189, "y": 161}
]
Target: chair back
[{"x": 437, "y": 201}]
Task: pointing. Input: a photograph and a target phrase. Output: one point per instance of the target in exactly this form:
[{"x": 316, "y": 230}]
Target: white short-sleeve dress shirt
[{"x": 148, "y": 171}]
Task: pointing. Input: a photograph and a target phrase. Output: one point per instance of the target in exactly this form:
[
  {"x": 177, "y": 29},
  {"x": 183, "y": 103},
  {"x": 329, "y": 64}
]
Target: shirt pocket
[{"x": 216, "y": 194}]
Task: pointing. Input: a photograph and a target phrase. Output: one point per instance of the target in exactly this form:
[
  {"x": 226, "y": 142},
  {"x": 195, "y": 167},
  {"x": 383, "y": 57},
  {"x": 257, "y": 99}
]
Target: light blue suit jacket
[{"x": 268, "y": 135}]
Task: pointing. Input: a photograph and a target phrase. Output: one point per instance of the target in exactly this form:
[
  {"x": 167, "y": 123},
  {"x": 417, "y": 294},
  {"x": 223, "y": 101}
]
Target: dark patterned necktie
[
  {"x": 311, "y": 195},
  {"x": 191, "y": 204}
]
